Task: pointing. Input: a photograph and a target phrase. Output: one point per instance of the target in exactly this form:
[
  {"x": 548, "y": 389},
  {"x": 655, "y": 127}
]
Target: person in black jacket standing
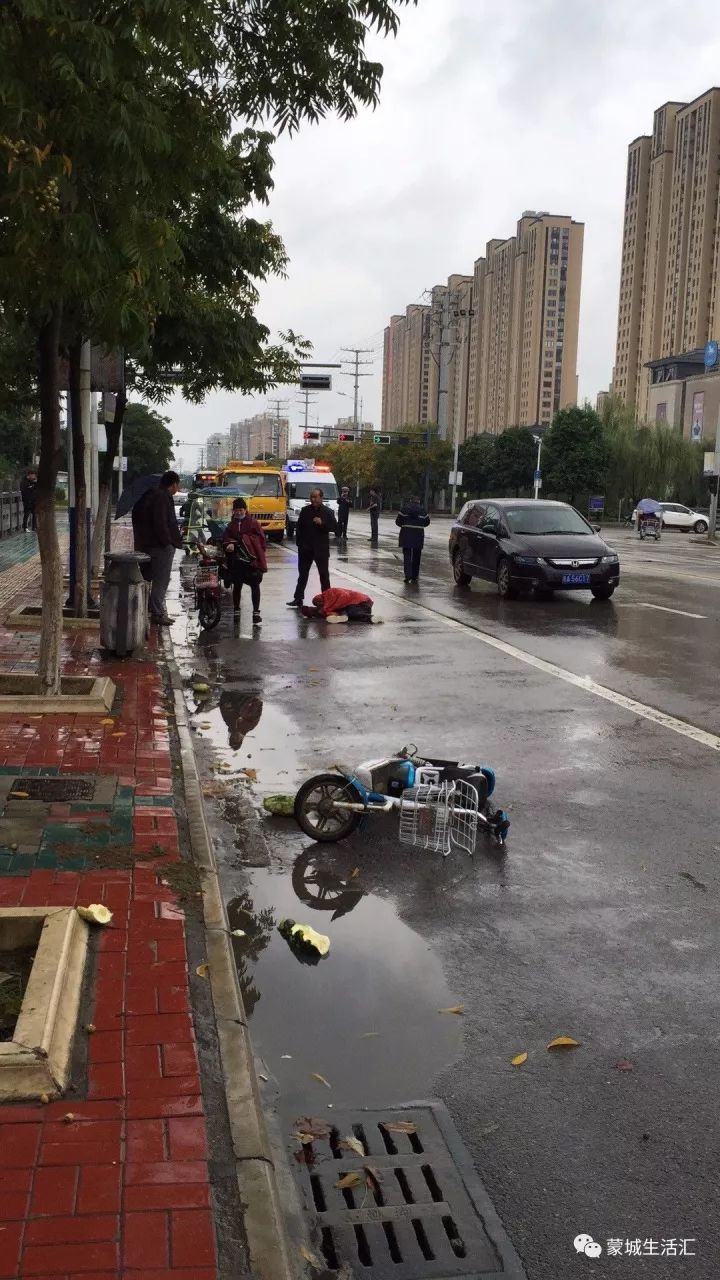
[
  {"x": 413, "y": 520},
  {"x": 28, "y": 492},
  {"x": 158, "y": 534},
  {"x": 344, "y": 505},
  {"x": 315, "y": 524}
]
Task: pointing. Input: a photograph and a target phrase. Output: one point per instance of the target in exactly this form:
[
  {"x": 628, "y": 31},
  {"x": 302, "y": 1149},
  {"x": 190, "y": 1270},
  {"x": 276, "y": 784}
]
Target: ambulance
[{"x": 302, "y": 475}]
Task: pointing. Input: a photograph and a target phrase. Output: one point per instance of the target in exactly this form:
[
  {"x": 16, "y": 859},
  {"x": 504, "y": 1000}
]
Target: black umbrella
[{"x": 134, "y": 492}]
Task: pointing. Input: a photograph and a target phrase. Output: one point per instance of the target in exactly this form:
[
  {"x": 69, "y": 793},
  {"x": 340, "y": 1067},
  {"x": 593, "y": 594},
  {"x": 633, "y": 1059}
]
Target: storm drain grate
[
  {"x": 55, "y": 790},
  {"x": 419, "y": 1212}
]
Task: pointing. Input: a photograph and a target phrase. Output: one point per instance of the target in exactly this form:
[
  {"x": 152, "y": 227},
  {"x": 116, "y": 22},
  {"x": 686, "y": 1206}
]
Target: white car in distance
[{"x": 676, "y": 516}]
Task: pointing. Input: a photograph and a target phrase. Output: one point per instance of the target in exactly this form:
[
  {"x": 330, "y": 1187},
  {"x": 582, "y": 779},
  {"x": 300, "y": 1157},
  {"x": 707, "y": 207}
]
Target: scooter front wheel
[
  {"x": 315, "y": 813},
  {"x": 209, "y": 613}
]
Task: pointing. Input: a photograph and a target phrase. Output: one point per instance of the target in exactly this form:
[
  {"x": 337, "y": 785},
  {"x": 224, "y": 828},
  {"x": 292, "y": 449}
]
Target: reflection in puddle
[
  {"x": 241, "y": 713},
  {"x": 366, "y": 1017}
]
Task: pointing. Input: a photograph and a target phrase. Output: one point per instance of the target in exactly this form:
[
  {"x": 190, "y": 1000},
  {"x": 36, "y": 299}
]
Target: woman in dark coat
[
  {"x": 244, "y": 543},
  {"x": 413, "y": 520}
]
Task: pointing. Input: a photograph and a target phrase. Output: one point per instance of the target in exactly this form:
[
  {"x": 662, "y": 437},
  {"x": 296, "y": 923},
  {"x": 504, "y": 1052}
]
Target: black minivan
[{"x": 524, "y": 544}]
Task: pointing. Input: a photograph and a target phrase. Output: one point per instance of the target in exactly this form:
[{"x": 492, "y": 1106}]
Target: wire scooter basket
[{"x": 437, "y": 816}]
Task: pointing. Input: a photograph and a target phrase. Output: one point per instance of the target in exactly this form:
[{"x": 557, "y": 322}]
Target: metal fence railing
[{"x": 11, "y": 512}]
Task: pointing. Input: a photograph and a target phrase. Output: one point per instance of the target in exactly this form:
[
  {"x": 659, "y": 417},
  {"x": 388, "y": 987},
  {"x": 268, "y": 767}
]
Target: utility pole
[
  {"x": 307, "y": 401},
  {"x": 355, "y": 373},
  {"x": 277, "y": 406}
]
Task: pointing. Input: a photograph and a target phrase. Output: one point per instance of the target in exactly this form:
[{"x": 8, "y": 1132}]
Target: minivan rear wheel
[{"x": 504, "y": 581}]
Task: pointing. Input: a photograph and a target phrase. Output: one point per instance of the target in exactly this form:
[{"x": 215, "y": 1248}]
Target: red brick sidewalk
[{"x": 122, "y": 1188}]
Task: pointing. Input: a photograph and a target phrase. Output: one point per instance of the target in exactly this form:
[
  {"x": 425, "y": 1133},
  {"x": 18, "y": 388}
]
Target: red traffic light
[
  {"x": 311, "y": 435},
  {"x": 345, "y": 435}
]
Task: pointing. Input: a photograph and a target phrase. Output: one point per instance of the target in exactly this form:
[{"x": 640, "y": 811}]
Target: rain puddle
[
  {"x": 247, "y": 732},
  {"x": 366, "y": 1018}
]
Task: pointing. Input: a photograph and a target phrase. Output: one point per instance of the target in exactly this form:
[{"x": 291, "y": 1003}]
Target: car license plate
[{"x": 576, "y": 579}]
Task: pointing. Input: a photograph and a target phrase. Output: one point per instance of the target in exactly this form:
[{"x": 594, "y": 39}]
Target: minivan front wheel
[
  {"x": 504, "y": 581},
  {"x": 462, "y": 579}
]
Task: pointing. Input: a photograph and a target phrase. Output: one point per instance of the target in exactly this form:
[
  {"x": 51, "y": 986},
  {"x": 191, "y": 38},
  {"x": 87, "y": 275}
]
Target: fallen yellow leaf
[
  {"x": 90, "y": 1027},
  {"x": 69, "y": 1117},
  {"x": 305, "y": 1138},
  {"x": 349, "y": 1180},
  {"x": 353, "y": 1144},
  {"x": 316, "y": 1128},
  {"x": 369, "y": 1035},
  {"x": 19, "y": 795},
  {"x": 454, "y": 1008},
  {"x": 316, "y": 1076},
  {"x": 250, "y": 773},
  {"x": 120, "y": 734},
  {"x": 44, "y": 1098},
  {"x": 311, "y": 1257},
  {"x": 519, "y": 1058},
  {"x": 354, "y": 874},
  {"x": 400, "y": 1126},
  {"x": 563, "y": 1042},
  {"x": 96, "y": 913},
  {"x": 107, "y": 720},
  {"x": 202, "y": 970}
]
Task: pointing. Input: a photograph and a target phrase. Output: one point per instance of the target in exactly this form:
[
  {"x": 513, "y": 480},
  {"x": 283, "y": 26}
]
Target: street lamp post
[{"x": 538, "y": 477}]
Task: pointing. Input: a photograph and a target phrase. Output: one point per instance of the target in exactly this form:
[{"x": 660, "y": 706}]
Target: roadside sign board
[
  {"x": 315, "y": 382},
  {"x": 455, "y": 477},
  {"x": 709, "y": 464},
  {"x": 596, "y": 504},
  {"x": 537, "y": 476}
]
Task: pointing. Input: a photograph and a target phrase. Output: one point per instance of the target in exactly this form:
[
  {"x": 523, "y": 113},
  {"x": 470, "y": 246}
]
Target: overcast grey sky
[{"x": 485, "y": 111}]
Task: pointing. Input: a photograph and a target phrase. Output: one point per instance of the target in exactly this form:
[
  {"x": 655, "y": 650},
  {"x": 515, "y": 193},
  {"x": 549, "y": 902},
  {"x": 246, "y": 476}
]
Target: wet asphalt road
[{"x": 599, "y": 922}]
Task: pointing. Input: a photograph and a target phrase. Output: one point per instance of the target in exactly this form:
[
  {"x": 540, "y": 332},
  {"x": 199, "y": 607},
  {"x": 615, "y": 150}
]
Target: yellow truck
[{"x": 262, "y": 487}]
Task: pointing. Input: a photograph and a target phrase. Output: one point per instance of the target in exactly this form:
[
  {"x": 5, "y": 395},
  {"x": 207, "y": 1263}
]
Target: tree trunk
[
  {"x": 112, "y": 432},
  {"x": 49, "y": 547},
  {"x": 79, "y": 445}
]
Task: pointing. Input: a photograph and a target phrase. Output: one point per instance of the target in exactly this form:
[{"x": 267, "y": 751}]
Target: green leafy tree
[
  {"x": 111, "y": 123},
  {"x": 513, "y": 461},
  {"x": 475, "y": 460},
  {"x": 147, "y": 441},
  {"x": 575, "y": 454}
]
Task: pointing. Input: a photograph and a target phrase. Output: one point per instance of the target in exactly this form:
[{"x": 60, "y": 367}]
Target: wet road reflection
[{"x": 366, "y": 1017}]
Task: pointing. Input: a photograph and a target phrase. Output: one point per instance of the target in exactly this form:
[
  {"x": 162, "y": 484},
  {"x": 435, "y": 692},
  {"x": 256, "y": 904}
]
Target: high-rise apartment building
[
  {"x": 406, "y": 368},
  {"x": 217, "y": 450},
  {"x": 670, "y": 270},
  {"x": 262, "y": 434},
  {"x": 501, "y": 349},
  {"x": 524, "y": 337}
]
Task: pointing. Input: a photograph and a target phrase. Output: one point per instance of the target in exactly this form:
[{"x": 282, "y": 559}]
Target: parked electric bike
[{"x": 441, "y": 803}]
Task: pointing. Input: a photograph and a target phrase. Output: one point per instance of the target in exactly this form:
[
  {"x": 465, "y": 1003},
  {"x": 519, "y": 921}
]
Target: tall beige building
[
  {"x": 527, "y": 308},
  {"x": 669, "y": 295},
  {"x": 406, "y": 368},
  {"x": 254, "y": 436},
  {"x": 502, "y": 341}
]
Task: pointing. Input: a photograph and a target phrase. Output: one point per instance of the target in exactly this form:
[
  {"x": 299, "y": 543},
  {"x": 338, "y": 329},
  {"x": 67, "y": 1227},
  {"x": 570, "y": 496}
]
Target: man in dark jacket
[
  {"x": 374, "y": 509},
  {"x": 344, "y": 506},
  {"x": 413, "y": 520},
  {"x": 28, "y": 488},
  {"x": 157, "y": 533},
  {"x": 315, "y": 524}
]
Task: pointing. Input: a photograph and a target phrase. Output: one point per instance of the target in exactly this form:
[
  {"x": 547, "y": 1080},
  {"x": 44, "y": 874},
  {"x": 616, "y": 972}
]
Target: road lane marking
[
  {"x": 682, "y": 613},
  {"x": 586, "y": 683}
]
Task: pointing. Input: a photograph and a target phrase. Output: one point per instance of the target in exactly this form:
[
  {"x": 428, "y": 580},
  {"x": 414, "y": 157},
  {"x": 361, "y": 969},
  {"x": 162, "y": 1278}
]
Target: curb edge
[{"x": 255, "y": 1167}]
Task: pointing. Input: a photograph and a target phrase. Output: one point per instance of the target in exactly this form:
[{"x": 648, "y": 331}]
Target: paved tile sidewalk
[{"x": 123, "y": 1188}]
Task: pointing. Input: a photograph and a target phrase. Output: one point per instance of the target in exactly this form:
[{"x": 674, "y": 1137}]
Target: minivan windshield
[
  {"x": 538, "y": 520},
  {"x": 253, "y": 485},
  {"x": 303, "y": 489}
]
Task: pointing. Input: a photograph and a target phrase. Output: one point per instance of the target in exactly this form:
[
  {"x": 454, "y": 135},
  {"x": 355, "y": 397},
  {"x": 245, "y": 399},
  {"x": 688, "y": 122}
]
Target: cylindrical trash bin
[{"x": 124, "y": 602}]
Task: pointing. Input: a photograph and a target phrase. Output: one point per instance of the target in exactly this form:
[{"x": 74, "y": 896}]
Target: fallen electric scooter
[{"x": 441, "y": 803}]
